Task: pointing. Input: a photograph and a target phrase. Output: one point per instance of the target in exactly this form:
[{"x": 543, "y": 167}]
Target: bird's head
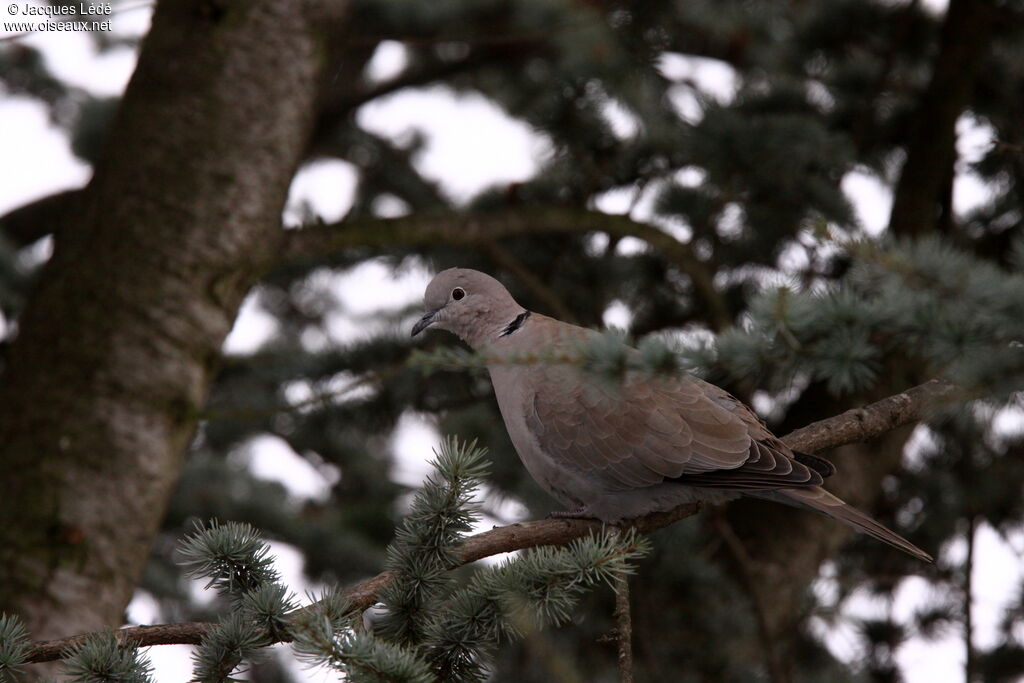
[{"x": 468, "y": 303}]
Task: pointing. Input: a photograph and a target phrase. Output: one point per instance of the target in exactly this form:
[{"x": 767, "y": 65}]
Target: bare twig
[
  {"x": 624, "y": 628},
  {"x": 852, "y": 426}
]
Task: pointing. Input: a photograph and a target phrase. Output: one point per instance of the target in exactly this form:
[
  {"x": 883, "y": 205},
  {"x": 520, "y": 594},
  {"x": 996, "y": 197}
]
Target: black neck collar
[{"x": 515, "y": 324}]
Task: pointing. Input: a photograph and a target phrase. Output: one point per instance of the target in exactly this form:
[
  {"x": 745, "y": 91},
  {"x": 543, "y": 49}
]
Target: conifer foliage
[{"x": 429, "y": 627}]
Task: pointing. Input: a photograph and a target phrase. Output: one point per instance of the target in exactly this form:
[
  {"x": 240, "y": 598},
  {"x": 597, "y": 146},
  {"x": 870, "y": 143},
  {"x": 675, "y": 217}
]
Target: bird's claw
[{"x": 576, "y": 513}]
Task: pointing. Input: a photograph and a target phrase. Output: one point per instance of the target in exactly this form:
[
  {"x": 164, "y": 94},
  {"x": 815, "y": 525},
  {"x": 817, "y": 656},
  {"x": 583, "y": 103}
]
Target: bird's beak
[{"x": 424, "y": 322}]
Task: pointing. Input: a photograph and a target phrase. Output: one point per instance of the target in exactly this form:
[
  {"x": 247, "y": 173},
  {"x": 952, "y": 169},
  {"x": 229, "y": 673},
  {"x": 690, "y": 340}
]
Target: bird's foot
[{"x": 576, "y": 513}]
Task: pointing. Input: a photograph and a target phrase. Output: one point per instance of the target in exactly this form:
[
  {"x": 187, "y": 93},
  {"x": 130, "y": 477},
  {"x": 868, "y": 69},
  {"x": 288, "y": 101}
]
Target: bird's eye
[{"x": 458, "y": 293}]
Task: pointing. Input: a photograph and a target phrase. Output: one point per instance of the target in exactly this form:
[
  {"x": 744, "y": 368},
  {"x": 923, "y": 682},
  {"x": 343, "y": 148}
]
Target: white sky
[{"x": 471, "y": 144}]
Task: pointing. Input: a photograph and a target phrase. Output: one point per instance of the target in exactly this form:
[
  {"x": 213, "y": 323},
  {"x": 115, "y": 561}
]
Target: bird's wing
[{"x": 649, "y": 430}]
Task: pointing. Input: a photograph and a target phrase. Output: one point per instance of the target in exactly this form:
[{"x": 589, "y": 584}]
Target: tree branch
[
  {"x": 852, "y": 426},
  {"x": 863, "y": 424},
  {"x": 341, "y": 99},
  {"x": 477, "y": 229},
  {"x": 505, "y": 52},
  {"x": 37, "y": 219}
]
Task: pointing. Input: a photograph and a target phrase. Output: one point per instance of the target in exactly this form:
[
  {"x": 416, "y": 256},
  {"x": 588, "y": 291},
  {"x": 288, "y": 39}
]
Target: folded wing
[{"x": 649, "y": 430}]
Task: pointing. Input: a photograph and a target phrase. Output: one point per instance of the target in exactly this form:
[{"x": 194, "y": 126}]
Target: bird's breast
[{"x": 515, "y": 401}]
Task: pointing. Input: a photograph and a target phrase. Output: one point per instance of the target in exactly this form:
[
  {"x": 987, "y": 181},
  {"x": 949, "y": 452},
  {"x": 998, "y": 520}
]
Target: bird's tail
[{"x": 819, "y": 500}]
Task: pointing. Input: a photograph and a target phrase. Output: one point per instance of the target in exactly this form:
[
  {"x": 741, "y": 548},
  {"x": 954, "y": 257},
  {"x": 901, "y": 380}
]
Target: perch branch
[
  {"x": 852, "y": 426},
  {"x": 863, "y": 424}
]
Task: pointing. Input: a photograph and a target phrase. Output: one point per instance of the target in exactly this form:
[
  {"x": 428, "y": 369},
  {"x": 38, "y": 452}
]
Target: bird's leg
[{"x": 576, "y": 513}]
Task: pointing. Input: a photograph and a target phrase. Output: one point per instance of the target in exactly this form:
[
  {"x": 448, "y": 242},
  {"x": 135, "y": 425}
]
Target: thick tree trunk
[
  {"x": 789, "y": 562},
  {"x": 931, "y": 150},
  {"x": 115, "y": 351},
  {"x": 786, "y": 547}
]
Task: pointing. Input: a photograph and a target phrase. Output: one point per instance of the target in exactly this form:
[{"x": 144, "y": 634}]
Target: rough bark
[
  {"x": 869, "y": 422},
  {"x": 861, "y": 424},
  {"x": 117, "y": 345}
]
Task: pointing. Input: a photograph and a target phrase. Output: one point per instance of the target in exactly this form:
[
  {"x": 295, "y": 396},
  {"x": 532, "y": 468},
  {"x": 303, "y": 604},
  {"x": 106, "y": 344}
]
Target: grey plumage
[{"x": 620, "y": 450}]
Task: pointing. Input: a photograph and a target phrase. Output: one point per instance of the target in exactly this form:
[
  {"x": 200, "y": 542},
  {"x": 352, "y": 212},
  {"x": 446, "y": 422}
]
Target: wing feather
[{"x": 647, "y": 431}]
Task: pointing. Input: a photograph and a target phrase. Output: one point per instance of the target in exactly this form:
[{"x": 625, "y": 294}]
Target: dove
[{"x": 620, "y": 450}]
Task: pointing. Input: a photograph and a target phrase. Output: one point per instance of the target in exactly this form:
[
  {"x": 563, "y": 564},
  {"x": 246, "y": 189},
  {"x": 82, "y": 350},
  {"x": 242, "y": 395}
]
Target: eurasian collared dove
[{"x": 619, "y": 451}]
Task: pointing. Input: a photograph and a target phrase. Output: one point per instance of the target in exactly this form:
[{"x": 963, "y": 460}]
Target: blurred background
[{"x": 817, "y": 203}]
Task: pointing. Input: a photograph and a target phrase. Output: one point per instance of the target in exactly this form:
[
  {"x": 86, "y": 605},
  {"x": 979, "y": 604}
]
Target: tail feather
[{"x": 819, "y": 500}]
